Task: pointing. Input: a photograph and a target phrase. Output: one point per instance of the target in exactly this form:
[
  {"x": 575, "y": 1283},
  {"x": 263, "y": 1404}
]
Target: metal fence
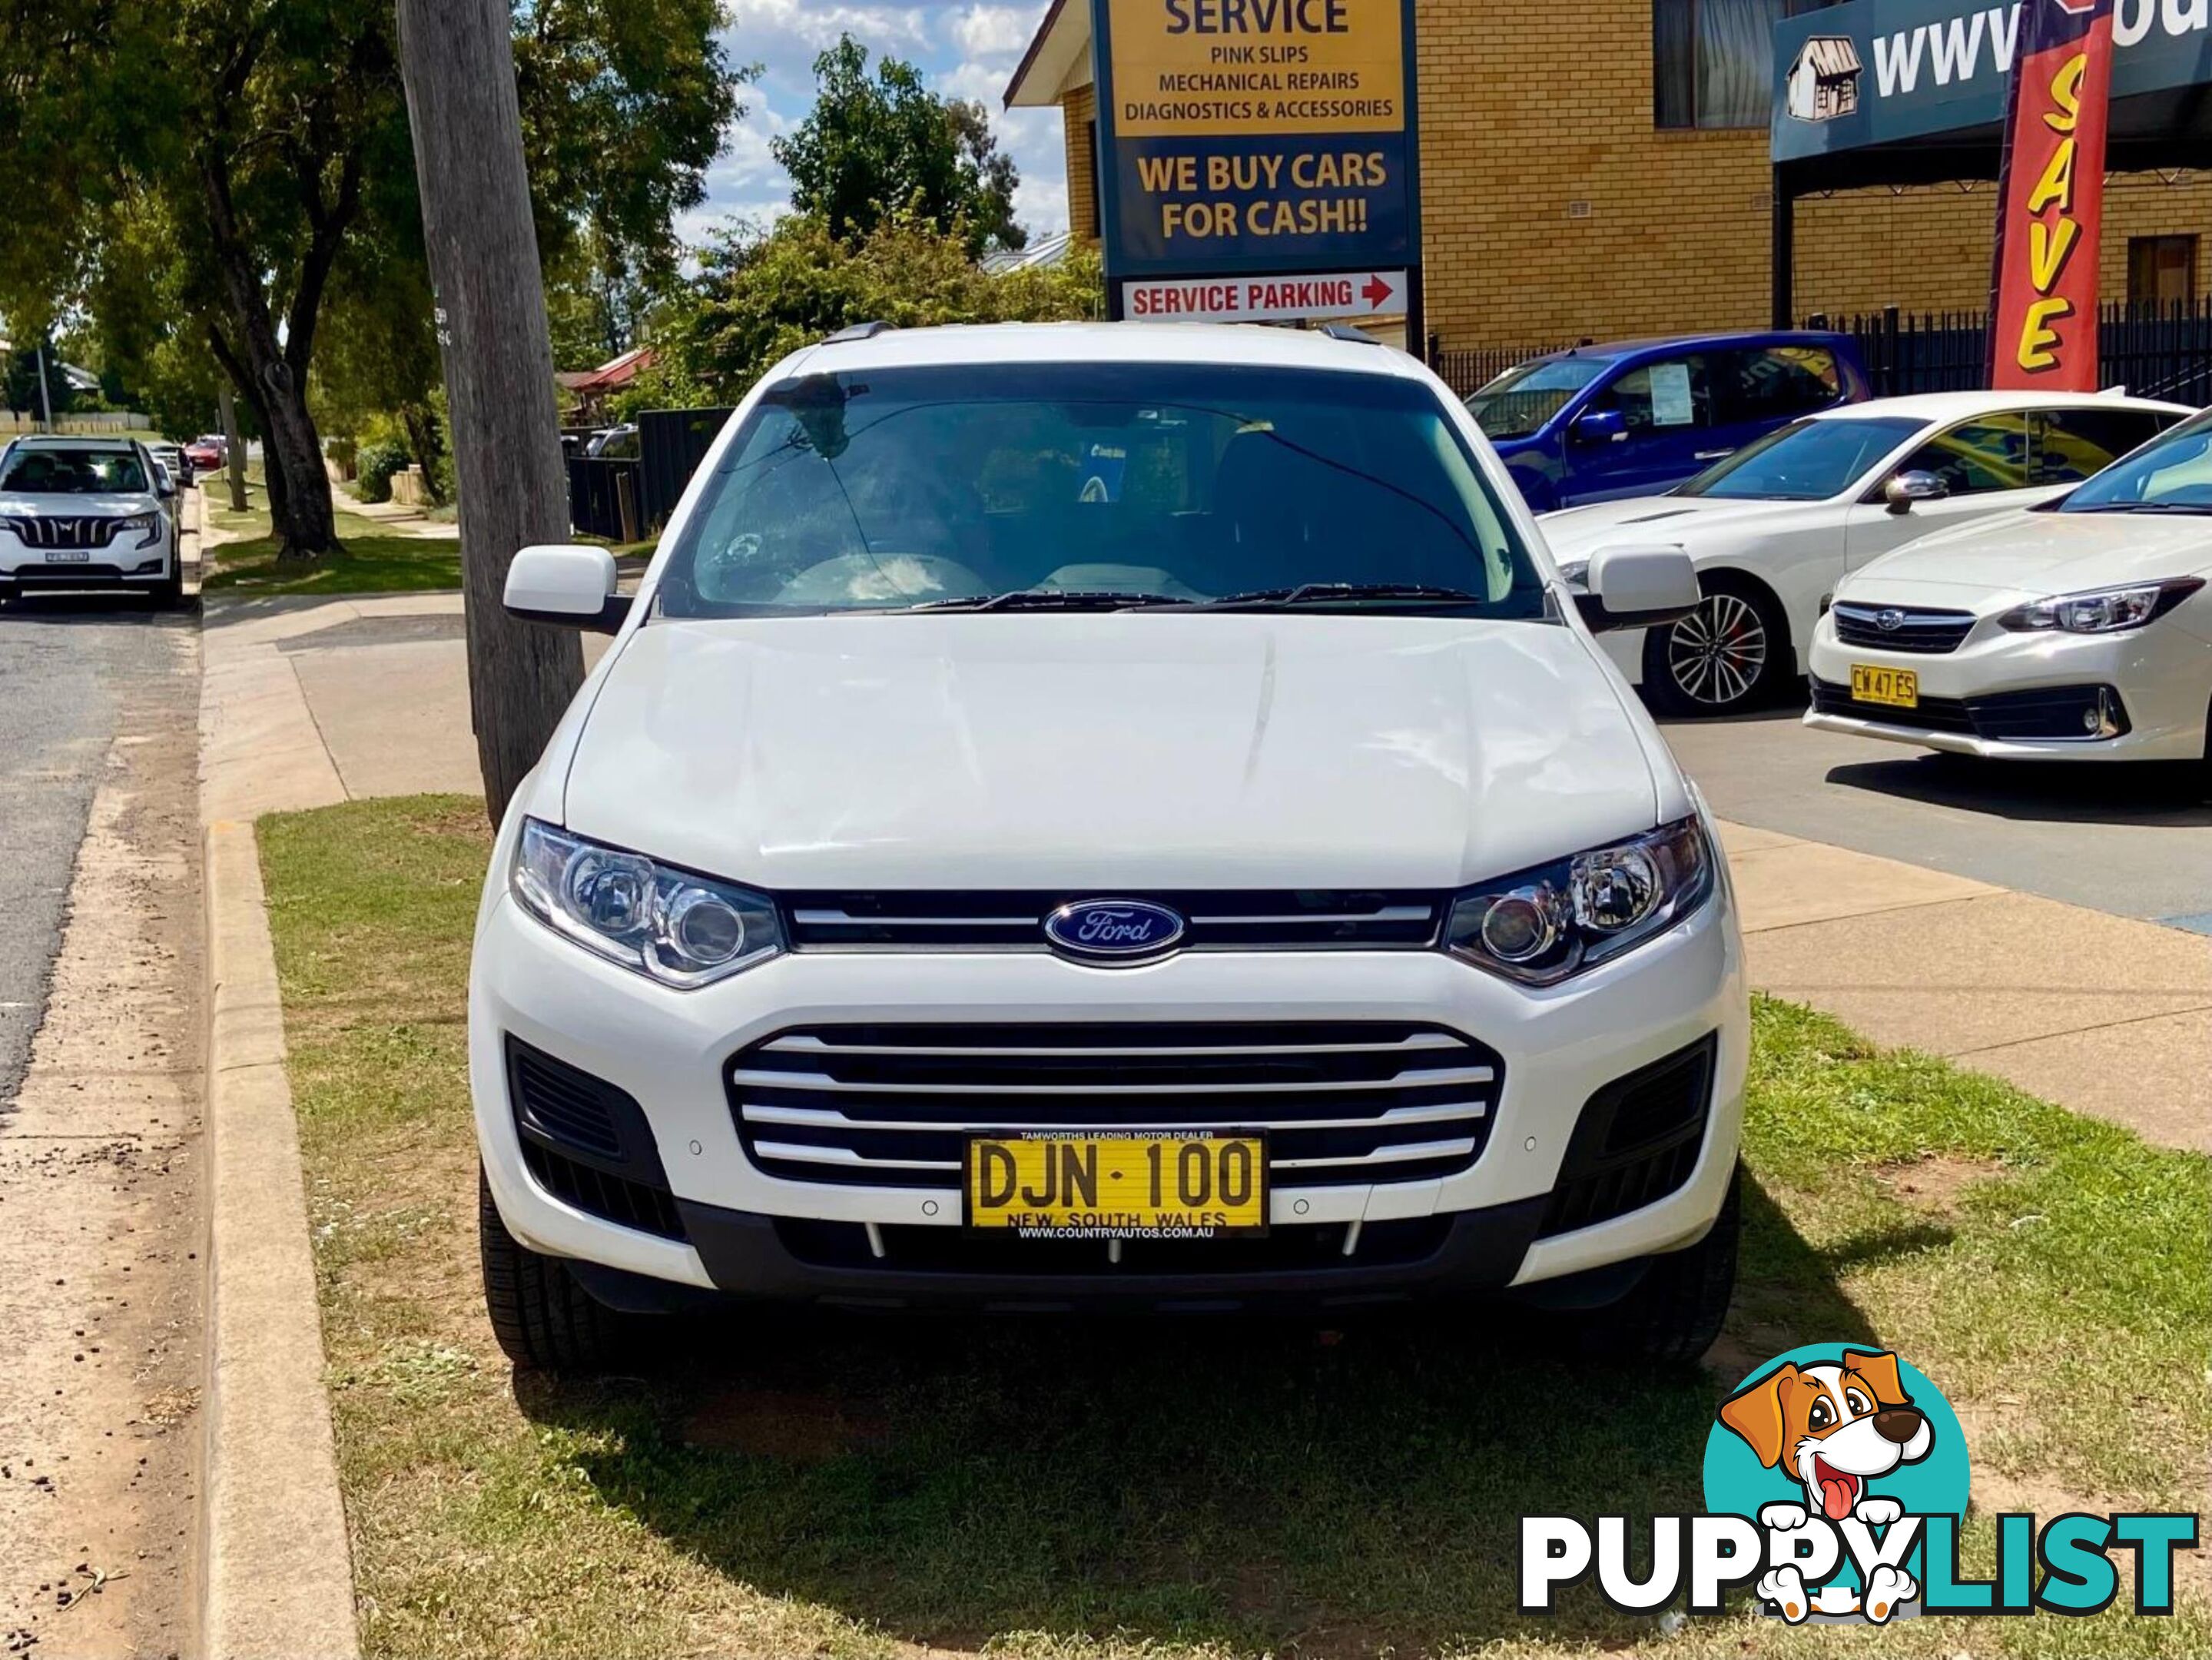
[
  {"x": 627, "y": 500},
  {"x": 670, "y": 445},
  {"x": 2153, "y": 352},
  {"x": 603, "y": 498}
]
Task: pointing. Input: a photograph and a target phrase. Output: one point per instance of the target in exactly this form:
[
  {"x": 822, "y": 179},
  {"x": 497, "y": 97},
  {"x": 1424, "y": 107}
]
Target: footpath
[{"x": 310, "y": 701}]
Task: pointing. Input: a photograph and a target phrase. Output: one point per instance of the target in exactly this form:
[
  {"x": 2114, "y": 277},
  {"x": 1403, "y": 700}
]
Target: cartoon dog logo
[{"x": 1835, "y": 1428}]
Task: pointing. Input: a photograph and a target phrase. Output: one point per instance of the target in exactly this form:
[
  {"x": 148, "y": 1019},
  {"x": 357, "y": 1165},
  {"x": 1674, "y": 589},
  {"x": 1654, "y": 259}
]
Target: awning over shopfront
[{"x": 1912, "y": 92}]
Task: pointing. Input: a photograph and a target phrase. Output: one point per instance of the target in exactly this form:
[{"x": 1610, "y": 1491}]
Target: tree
[
  {"x": 876, "y": 146},
  {"x": 239, "y": 154},
  {"x": 762, "y": 294}
]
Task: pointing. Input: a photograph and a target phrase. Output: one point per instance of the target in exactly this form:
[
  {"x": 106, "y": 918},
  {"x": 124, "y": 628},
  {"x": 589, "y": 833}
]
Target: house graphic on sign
[{"x": 1824, "y": 82}]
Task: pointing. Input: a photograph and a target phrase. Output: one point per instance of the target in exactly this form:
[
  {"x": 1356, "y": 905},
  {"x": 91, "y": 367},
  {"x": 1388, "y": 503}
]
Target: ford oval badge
[{"x": 1113, "y": 930}]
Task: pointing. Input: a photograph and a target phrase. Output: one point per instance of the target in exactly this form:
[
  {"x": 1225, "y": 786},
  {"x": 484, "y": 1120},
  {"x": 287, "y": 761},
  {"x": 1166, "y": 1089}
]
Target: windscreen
[
  {"x": 1518, "y": 402},
  {"x": 42, "y": 471},
  {"x": 2172, "y": 473},
  {"x": 1156, "y": 483},
  {"x": 1804, "y": 461}
]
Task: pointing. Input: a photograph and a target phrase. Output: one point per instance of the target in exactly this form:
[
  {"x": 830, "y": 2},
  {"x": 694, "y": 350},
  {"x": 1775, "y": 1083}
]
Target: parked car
[
  {"x": 206, "y": 454},
  {"x": 614, "y": 443},
  {"x": 1639, "y": 416},
  {"x": 1105, "y": 815},
  {"x": 2078, "y": 631},
  {"x": 1776, "y": 526},
  {"x": 86, "y": 513},
  {"x": 171, "y": 460}
]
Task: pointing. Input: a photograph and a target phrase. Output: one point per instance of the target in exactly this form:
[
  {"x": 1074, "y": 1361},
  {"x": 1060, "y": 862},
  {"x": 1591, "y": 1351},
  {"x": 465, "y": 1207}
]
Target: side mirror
[
  {"x": 164, "y": 486},
  {"x": 1599, "y": 427},
  {"x": 1638, "y": 588},
  {"x": 568, "y": 585},
  {"x": 1902, "y": 491}
]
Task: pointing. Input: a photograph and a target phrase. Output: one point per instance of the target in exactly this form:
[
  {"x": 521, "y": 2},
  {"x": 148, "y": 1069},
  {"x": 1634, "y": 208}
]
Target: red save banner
[{"x": 2051, "y": 211}]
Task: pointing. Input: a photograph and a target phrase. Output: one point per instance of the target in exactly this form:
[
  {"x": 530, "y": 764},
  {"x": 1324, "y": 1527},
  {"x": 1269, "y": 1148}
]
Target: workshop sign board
[
  {"x": 1352, "y": 294},
  {"x": 1256, "y": 139},
  {"x": 1871, "y": 72}
]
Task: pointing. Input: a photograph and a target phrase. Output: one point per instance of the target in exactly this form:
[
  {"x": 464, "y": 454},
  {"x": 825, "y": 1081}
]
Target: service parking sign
[{"x": 1259, "y": 139}]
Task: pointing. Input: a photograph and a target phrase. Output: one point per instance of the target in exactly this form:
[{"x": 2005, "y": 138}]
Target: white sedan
[
  {"x": 1775, "y": 527},
  {"x": 2077, "y": 632}
]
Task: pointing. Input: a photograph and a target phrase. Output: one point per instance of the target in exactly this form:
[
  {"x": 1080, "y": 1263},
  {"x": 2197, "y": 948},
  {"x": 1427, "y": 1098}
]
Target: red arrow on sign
[{"x": 1376, "y": 292}]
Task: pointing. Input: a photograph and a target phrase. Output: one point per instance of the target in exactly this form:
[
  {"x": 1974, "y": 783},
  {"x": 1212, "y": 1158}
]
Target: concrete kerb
[{"x": 277, "y": 1571}]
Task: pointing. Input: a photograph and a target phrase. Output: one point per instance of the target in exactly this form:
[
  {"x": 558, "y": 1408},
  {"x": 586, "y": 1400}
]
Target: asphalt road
[
  {"x": 2133, "y": 840},
  {"x": 68, "y": 669}
]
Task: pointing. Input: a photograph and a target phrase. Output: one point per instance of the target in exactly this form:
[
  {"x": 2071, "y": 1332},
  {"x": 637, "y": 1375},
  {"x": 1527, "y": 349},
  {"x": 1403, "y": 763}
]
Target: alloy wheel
[{"x": 1718, "y": 653}]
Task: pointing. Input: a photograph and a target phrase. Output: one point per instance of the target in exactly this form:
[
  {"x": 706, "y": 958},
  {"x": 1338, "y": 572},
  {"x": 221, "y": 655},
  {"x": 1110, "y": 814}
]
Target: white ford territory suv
[
  {"x": 1104, "y": 816},
  {"x": 87, "y": 513}
]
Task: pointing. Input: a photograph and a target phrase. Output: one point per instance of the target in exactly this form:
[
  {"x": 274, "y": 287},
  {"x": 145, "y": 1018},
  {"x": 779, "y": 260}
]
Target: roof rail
[
  {"x": 868, "y": 331},
  {"x": 1346, "y": 331}
]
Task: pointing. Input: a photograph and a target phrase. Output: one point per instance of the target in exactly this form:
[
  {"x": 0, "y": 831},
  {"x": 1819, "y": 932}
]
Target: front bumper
[
  {"x": 2158, "y": 679},
  {"x": 741, "y": 1228},
  {"x": 115, "y": 566}
]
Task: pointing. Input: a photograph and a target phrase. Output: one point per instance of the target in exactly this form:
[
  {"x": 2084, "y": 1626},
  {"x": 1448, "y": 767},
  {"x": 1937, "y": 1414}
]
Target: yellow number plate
[
  {"x": 1117, "y": 1187},
  {"x": 1899, "y": 688}
]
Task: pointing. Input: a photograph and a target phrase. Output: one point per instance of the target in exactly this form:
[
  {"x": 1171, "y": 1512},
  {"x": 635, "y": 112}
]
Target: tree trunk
[
  {"x": 234, "y": 446},
  {"x": 457, "y": 62},
  {"x": 298, "y": 485}
]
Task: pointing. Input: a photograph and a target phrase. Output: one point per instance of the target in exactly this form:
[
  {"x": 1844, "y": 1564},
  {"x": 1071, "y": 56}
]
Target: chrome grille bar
[{"x": 894, "y": 1103}]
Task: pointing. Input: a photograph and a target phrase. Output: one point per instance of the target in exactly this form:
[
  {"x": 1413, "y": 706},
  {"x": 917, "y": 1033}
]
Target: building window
[
  {"x": 1712, "y": 61},
  {"x": 2161, "y": 270}
]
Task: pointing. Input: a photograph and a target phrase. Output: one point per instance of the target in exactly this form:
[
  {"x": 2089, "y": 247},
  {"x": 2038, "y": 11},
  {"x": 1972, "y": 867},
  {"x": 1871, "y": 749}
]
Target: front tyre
[
  {"x": 542, "y": 1317},
  {"x": 1727, "y": 656},
  {"x": 1675, "y": 1311},
  {"x": 168, "y": 593}
]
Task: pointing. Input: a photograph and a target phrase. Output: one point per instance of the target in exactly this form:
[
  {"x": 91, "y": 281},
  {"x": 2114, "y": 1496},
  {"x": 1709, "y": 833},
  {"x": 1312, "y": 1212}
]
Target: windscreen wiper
[
  {"x": 1049, "y": 599},
  {"x": 2147, "y": 506},
  {"x": 1322, "y": 593}
]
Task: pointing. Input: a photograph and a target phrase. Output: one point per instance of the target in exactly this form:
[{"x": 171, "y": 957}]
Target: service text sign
[{"x": 1256, "y": 136}]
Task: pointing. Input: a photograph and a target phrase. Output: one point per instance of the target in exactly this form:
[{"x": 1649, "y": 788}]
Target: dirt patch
[
  {"x": 467, "y": 821},
  {"x": 100, "y": 1262},
  {"x": 1935, "y": 1184},
  {"x": 805, "y": 1429}
]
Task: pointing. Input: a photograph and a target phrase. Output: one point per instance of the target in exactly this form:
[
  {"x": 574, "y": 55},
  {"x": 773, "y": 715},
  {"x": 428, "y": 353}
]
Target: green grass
[
  {"x": 1183, "y": 1491},
  {"x": 369, "y": 559}
]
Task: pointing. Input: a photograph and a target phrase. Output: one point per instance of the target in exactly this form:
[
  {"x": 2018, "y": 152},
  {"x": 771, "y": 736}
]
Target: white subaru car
[
  {"x": 2077, "y": 632},
  {"x": 1104, "y": 816},
  {"x": 87, "y": 513},
  {"x": 1776, "y": 526}
]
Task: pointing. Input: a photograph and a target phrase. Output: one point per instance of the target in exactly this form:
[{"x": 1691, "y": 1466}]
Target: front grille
[
  {"x": 1303, "y": 1248},
  {"x": 1912, "y": 628},
  {"x": 1637, "y": 1140},
  {"x": 1241, "y": 921},
  {"x": 892, "y": 1105},
  {"x": 588, "y": 1143},
  {"x": 59, "y": 531},
  {"x": 2046, "y": 711}
]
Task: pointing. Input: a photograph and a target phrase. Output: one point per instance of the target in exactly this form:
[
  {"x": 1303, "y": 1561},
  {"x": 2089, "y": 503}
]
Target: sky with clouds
[{"x": 964, "y": 50}]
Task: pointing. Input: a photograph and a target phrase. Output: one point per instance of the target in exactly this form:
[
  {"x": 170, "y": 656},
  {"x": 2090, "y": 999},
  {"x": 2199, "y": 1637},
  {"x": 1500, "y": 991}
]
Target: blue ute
[{"x": 1639, "y": 416}]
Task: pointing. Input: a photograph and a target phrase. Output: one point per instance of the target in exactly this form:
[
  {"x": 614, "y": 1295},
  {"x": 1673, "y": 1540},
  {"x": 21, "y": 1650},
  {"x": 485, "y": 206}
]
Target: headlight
[
  {"x": 147, "y": 525},
  {"x": 2101, "y": 611},
  {"x": 1543, "y": 925},
  {"x": 680, "y": 929},
  {"x": 1574, "y": 572}
]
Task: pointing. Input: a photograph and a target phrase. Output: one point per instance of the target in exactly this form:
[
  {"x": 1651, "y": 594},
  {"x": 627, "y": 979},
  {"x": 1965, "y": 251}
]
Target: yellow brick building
[{"x": 1564, "y": 196}]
